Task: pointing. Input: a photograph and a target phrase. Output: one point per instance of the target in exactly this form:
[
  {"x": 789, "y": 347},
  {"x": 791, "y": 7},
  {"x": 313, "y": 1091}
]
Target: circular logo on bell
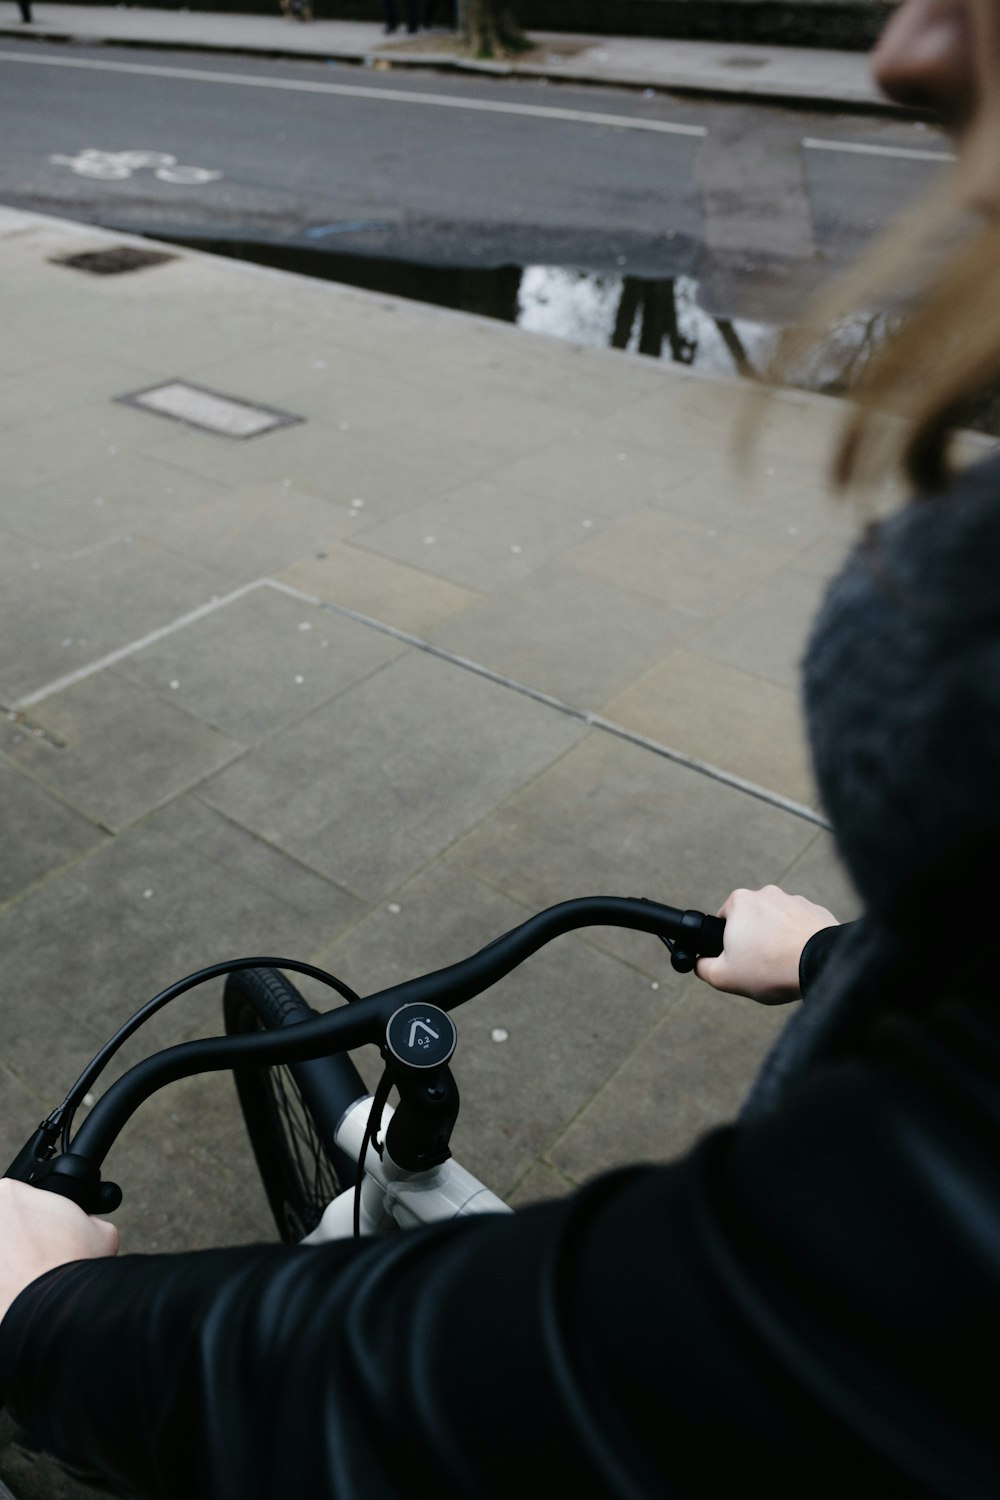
[{"x": 421, "y": 1036}]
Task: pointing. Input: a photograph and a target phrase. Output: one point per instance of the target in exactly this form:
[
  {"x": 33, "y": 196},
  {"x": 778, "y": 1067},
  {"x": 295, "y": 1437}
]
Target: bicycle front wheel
[{"x": 291, "y": 1112}]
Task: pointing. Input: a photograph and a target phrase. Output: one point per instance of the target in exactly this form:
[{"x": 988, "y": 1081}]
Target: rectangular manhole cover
[
  {"x": 209, "y": 411},
  {"x": 745, "y": 62},
  {"x": 114, "y": 260}
]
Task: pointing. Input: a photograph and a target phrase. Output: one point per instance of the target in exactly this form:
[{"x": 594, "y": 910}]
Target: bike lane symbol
[{"x": 116, "y": 166}]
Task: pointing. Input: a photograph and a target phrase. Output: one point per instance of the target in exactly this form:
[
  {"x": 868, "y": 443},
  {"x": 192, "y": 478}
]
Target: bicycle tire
[{"x": 291, "y": 1112}]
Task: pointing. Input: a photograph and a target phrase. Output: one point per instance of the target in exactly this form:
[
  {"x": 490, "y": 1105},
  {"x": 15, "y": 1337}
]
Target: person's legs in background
[{"x": 430, "y": 10}]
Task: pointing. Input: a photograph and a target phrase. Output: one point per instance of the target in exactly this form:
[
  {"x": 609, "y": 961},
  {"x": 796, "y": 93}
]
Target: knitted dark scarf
[{"x": 902, "y": 693}]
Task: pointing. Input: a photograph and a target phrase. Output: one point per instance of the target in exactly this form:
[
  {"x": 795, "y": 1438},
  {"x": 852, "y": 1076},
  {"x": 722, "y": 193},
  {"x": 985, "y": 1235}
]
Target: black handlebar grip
[
  {"x": 711, "y": 940},
  {"x": 699, "y": 935},
  {"x": 694, "y": 936},
  {"x": 77, "y": 1178}
]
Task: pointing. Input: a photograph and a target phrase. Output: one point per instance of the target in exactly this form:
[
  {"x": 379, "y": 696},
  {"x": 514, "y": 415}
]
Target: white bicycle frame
[{"x": 393, "y": 1197}]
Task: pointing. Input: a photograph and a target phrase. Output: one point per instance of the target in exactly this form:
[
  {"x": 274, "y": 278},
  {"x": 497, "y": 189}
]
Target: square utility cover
[{"x": 210, "y": 411}]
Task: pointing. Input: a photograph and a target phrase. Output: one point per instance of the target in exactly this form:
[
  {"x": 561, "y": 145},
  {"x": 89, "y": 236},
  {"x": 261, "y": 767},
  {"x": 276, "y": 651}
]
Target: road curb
[{"x": 445, "y": 63}]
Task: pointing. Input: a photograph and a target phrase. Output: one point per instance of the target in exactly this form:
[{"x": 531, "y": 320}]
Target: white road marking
[
  {"x": 357, "y": 91},
  {"x": 858, "y": 148},
  {"x": 111, "y": 166}
]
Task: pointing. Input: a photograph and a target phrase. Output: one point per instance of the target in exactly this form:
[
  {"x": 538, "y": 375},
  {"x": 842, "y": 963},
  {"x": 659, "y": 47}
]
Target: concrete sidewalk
[
  {"x": 794, "y": 75},
  {"x": 492, "y": 624}
]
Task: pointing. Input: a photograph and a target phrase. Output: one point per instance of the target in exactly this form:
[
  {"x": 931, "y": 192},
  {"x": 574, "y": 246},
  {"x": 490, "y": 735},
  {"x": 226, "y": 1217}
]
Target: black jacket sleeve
[
  {"x": 817, "y": 953},
  {"x": 806, "y": 1303}
]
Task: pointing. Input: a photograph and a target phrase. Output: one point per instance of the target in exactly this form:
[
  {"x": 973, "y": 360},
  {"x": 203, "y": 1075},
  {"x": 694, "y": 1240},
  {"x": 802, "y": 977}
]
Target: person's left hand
[
  {"x": 39, "y": 1231},
  {"x": 766, "y": 931}
]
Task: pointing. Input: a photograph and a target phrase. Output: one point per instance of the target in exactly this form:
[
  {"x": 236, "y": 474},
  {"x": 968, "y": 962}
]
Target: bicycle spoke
[{"x": 313, "y": 1182}]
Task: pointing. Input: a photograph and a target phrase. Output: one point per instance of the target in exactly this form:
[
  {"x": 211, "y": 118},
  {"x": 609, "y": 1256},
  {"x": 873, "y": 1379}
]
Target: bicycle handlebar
[{"x": 77, "y": 1173}]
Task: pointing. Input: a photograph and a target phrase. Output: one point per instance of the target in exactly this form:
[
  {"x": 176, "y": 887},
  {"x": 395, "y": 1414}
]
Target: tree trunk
[{"x": 490, "y": 30}]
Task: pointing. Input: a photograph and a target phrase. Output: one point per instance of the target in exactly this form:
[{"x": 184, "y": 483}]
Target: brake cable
[
  {"x": 62, "y": 1117},
  {"x": 379, "y": 1100}
]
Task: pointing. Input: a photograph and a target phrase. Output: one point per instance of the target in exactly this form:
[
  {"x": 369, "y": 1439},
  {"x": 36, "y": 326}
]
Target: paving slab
[
  {"x": 765, "y": 631},
  {"x": 136, "y": 496},
  {"x": 81, "y": 953},
  {"x": 690, "y": 1075},
  {"x": 409, "y": 598},
  {"x": 249, "y": 532},
  {"x": 540, "y": 1184},
  {"x": 819, "y": 875},
  {"x": 550, "y": 630},
  {"x": 612, "y": 478},
  {"x": 525, "y": 421},
  {"x": 41, "y": 834},
  {"x": 483, "y": 535},
  {"x": 233, "y": 853},
  {"x": 50, "y": 448},
  {"x": 347, "y": 392},
  {"x": 629, "y": 823},
  {"x": 723, "y": 716},
  {"x": 700, "y": 570},
  {"x": 114, "y": 752},
  {"x": 258, "y": 665},
  {"x": 392, "y": 477},
  {"x": 373, "y": 785},
  {"x": 285, "y": 455},
  {"x": 69, "y": 384},
  {"x": 759, "y": 502},
  {"x": 187, "y": 1171},
  {"x": 63, "y": 613}
]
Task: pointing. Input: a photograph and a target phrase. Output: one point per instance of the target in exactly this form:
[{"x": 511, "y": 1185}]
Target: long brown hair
[{"x": 939, "y": 264}]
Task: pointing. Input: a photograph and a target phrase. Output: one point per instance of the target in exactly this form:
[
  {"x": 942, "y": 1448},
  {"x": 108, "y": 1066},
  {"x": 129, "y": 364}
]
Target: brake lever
[
  {"x": 704, "y": 940},
  {"x": 73, "y": 1177}
]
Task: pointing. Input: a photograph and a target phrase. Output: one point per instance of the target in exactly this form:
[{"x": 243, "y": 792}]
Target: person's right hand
[
  {"x": 39, "y": 1231},
  {"x": 766, "y": 931}
]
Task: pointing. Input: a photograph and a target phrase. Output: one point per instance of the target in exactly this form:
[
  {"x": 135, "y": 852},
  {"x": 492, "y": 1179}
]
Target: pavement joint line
[
  {"x": 602, "y": 1088},
  {"x": 358, "y": 91},
  {"x": 581, "y": 715},
  {"x": 861, "y": 148},
  {"x": 70, "y": 679},
  {"x": 536, "y": 1161}
]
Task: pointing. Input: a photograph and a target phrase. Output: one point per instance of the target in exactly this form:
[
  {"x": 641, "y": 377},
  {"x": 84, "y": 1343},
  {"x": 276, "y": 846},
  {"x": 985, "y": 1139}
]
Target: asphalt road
[{"x": 756, "y": 203}]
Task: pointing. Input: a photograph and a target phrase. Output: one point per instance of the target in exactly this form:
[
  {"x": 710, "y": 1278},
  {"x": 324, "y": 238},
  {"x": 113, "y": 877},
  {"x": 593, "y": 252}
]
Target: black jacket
[{"x": 808, "y": 1303}]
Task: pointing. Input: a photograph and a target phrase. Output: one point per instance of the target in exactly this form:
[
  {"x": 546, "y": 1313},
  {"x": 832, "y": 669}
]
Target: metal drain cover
[
  {"x": 209, "y": 411},
  {"x": 113, "y": 261},
  {"x": 745, "y": 61}
]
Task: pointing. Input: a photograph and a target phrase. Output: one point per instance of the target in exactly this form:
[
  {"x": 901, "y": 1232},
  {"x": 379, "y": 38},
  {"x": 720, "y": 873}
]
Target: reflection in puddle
[
  {"x": 660, "y": 318},
  {"x": 664, "y": 319}
]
